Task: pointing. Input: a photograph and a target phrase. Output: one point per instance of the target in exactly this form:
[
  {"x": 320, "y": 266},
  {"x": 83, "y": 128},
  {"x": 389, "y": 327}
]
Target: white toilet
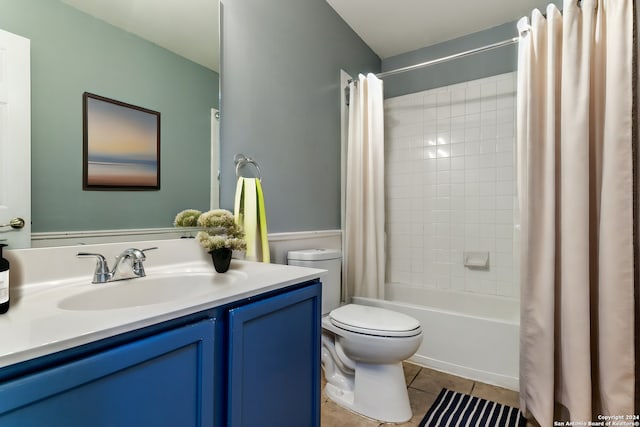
[{"x": 362, "y": 347}]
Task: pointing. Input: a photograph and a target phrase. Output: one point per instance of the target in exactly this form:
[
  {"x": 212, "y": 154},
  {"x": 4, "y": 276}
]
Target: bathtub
[{"x": 470, "y": 335}]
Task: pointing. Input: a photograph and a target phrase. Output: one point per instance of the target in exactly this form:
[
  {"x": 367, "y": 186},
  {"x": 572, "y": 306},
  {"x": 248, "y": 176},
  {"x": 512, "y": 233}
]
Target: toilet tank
[{"x": 326, "y": 259}]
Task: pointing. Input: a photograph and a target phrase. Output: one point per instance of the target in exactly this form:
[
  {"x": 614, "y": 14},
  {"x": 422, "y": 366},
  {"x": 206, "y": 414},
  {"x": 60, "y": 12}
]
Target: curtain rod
[{"x": 445, "y": 58}]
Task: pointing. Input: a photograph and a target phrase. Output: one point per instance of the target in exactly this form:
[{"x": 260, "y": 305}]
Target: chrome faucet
[{"x": 102, "y": 273}]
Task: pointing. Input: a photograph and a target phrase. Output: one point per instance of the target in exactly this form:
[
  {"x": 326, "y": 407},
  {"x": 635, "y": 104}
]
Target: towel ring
[{"x": 242, "y": 160}]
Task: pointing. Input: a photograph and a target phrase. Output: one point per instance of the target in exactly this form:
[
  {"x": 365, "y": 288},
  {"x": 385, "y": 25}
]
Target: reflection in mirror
[{"x": 162, "y": 56}]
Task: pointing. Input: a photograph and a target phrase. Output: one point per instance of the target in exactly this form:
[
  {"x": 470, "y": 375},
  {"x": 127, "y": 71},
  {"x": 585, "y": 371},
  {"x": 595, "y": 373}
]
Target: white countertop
[{"x": 35, "y": 325}]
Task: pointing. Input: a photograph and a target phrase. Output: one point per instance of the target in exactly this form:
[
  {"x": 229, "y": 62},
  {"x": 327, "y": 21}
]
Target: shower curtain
[
  {"x": 364, "y": 196},
  {"x": 575, "y": 174}
]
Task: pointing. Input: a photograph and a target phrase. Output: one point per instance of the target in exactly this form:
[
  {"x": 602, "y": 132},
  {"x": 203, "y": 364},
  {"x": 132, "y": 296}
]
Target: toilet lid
[{"x": 374, "y": 321}]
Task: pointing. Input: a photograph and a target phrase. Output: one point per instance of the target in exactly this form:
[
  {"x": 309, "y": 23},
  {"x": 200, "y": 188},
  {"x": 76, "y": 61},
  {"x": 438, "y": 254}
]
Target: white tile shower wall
[{"x": 450, "y": 180}]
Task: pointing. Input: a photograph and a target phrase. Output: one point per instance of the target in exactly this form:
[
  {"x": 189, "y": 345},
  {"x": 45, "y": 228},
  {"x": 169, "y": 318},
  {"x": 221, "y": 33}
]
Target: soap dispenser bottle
[{"x": 4, "y": 282}]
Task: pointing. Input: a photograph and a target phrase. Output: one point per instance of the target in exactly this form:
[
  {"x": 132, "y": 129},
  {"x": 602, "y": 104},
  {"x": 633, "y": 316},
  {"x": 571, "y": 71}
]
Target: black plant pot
[{"x": 221, "y": 259}]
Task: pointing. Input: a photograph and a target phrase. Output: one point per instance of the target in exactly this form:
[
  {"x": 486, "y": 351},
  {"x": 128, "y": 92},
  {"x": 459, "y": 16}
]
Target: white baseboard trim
[
  {"x": 301, "y": 235},
  {"x": 64, "y": 238},
  {"x": 88, "y": 237},
  {"x": 512, "y": 383}
]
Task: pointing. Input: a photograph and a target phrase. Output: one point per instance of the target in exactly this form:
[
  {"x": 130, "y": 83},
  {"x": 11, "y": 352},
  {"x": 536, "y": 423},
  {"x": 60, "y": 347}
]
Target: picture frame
[{"x": 121, "y": 145}]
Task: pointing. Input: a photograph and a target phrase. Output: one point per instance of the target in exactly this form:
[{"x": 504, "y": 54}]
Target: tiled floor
[{"x": 424, "y": 384}]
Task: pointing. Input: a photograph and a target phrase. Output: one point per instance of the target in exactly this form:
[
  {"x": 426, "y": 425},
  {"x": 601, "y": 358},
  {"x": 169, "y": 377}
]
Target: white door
[{"x": 15, "y": 140}]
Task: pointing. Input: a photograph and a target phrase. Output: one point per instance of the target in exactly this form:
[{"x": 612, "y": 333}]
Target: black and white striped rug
[{"x": 461, "y": 410}]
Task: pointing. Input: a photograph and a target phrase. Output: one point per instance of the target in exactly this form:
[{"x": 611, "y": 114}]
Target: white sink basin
[{"x": 148, "y": 291}]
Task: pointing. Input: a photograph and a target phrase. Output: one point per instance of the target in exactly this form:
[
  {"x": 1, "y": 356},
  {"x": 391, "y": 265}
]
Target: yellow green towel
[{"x": 251, "y": 216}]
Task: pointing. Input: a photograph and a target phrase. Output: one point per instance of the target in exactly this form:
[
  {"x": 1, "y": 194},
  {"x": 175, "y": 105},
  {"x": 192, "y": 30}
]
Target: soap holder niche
[{"x": 476, "y": 260}]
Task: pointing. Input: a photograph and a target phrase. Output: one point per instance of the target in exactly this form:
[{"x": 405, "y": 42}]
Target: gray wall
[
  {"x": 71, "y": 53},
  {"x": 477, "y": 66},
  {"x": 485, "y": 64},
  {"x": 280, "y": 91}
]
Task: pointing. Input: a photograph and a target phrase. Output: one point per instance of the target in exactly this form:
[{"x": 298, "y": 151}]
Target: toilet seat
[{"x": 374, "y": 321}]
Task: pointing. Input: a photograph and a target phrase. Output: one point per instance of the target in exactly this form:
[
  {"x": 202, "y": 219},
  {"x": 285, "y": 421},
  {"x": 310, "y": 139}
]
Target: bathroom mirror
[{"x": 162, "y": 56}]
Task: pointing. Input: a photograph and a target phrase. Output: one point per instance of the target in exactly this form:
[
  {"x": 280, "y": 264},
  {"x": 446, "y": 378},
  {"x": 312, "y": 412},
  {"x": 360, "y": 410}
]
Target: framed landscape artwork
[{"x": 121, "y": 145}]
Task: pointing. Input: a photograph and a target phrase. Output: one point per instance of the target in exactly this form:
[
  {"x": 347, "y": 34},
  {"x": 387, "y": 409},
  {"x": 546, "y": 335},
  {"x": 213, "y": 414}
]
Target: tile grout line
[{"x": 414, "y": 377}]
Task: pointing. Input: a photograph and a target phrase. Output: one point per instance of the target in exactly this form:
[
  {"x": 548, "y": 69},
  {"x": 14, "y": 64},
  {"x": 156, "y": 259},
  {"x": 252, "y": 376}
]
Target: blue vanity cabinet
[
  {"x": 274, "y": 360},
  {"x": 163, "y": 380},
  {"x": 264, "y": 370}
]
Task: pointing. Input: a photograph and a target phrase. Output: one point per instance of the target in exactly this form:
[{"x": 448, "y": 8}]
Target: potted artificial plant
[{"x": 220, "y": 237}]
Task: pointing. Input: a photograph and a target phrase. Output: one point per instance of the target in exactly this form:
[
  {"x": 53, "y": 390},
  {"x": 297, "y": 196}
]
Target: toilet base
[{"x": 379, "y": 392}]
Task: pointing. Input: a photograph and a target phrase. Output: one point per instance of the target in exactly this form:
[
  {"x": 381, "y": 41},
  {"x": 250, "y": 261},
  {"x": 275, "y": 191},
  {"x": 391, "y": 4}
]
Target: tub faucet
[{"x": 102, "y": 273}]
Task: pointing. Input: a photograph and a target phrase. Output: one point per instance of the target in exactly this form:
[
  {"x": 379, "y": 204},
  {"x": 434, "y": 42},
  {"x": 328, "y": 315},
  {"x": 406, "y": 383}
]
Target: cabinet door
[
  {"x": 163, "y": 380},
  {"x": 274, "y": 361}
]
